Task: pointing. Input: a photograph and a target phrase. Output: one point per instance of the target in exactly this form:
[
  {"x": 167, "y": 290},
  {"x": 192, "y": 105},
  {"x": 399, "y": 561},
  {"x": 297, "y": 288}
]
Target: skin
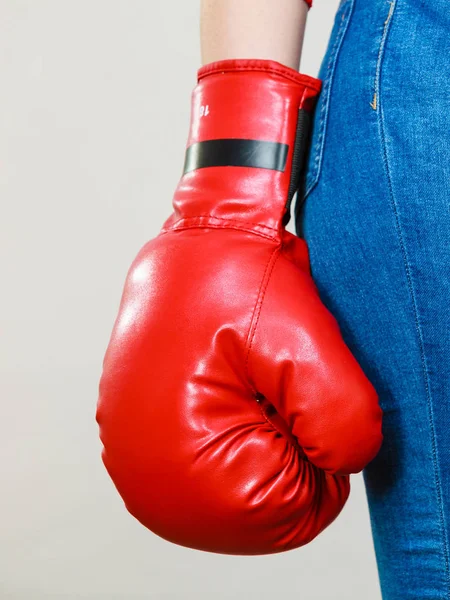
[{"x": 265, "y": 29}]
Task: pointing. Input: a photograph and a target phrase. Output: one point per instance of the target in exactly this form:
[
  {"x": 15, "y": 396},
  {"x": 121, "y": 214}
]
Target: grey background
[{"x": 94, "y": 113}]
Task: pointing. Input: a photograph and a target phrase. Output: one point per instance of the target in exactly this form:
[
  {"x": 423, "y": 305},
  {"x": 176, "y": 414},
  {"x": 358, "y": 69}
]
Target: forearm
[{"x": 268, "y": 29}]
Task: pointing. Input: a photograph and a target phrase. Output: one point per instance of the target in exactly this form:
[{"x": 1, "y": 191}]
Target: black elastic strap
[
  {"x": 236, "y": 153},
  {"x": 298, "y": 159}
]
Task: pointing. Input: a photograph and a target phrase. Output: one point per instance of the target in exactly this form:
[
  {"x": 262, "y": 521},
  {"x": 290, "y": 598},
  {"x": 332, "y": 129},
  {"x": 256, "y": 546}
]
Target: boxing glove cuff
[{"x": 252, "y": 117}]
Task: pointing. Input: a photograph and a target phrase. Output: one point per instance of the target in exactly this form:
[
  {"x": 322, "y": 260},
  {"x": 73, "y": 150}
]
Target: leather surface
[{"x": 230, "y": 410}]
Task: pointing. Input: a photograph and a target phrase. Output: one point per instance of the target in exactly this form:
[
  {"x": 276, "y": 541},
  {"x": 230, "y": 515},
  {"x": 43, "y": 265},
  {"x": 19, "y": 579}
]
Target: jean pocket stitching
[
  {"x": 386, "y": 26},
  {"x": 324, "y": 101}
]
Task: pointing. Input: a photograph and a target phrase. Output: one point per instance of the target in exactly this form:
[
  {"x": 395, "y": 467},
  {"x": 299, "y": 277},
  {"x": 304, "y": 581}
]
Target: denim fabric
[{"x": 376, "y": 215}]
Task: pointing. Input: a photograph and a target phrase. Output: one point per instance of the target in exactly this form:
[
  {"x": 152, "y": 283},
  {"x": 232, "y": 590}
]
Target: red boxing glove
[{"x": 231, "y": 411}]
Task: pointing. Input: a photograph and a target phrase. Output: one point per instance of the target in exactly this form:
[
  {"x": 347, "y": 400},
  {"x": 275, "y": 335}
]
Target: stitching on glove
[
  {"x": 257, "y": 311},
  {"x": 270, "y": 67},
  {"x": 184, "y": 219},
  {"x": 199, "y": 225}
]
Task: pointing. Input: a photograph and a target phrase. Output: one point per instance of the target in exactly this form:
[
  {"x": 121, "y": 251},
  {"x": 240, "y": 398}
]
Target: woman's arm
[{"x": 268, "y": 29}]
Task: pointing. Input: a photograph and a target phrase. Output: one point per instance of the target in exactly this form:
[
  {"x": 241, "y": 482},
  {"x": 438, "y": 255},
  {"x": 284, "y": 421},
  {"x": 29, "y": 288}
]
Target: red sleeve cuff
[{"x": 309, "y": 3}]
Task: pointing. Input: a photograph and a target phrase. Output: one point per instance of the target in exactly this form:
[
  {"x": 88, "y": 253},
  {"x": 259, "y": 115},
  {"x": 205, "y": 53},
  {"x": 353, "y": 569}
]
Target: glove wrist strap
[{"x": 247, "y": 137}]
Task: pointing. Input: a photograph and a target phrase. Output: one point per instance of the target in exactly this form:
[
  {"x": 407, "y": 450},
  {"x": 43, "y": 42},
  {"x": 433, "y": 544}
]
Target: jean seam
[
  {"x": 387, "y": 23},
  {"x": 326, "y": 93},
  {"x": 394, "y": 206}
]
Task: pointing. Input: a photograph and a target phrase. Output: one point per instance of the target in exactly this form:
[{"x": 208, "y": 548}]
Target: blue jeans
[{"x": 376, "y": 215}]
